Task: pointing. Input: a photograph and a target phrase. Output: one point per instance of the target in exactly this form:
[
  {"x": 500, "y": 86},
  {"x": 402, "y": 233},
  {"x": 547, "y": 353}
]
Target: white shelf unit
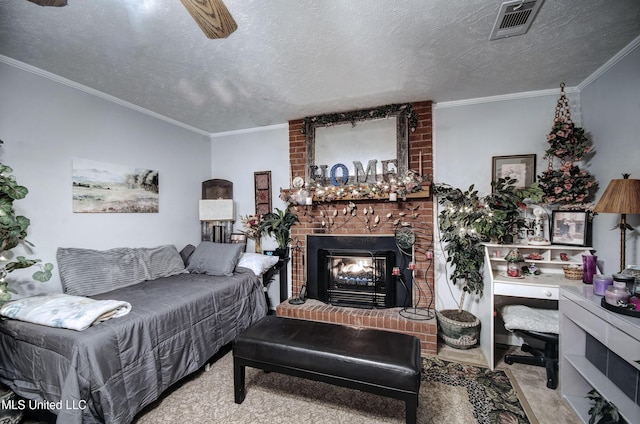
[
  {"x": 582, "y": 314},
  {"x": 500, "y": 289},
  {"x": 550, "y": 262}
]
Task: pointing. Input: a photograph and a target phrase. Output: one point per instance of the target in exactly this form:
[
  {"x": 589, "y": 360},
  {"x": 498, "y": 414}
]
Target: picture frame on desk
[{"x": 570, "y": 228}]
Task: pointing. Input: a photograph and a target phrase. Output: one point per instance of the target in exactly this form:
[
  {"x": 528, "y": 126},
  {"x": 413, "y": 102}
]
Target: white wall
[
  {"x": 45, "y": 124},
  {"x": 466, "y": 137},
  {"x": 611, "y": 111},
  {"x": 236, "y": 156}
]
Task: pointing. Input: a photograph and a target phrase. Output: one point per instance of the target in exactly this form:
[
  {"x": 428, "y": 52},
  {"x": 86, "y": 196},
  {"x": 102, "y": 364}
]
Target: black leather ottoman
[{"x": 376, "y": 361}]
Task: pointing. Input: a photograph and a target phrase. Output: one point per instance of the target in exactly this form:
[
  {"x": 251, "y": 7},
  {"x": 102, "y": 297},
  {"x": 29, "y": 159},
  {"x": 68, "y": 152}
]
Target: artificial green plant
[
  {"x": 602, "y": 410},
  {"x": 13, "y": 232},
  {"x": 468, "y": 219},
  {"x": 278, "y": 224}
]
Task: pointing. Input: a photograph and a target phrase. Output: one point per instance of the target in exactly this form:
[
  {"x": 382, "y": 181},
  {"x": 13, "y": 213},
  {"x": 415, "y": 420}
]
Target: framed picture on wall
[
  {"x": 103, "y": 187},
  {"x": 570, "y": 227},
  {"x": 262, "y": 187},
  {"x": 522, "y": 168}
]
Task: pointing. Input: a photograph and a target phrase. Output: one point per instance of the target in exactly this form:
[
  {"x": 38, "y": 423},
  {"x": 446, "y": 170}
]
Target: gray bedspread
[{"x": 111, "y": 371}]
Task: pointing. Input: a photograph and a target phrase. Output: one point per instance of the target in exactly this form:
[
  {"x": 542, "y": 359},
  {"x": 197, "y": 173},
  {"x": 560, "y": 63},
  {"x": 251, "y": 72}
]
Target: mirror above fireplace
[{"x": 379, "y": 134}]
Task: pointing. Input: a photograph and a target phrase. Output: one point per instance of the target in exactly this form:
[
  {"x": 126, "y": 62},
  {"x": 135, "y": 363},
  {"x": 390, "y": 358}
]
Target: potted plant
[
  {"x": 465, "y": 222},
  {"x": 602, "y": 410},
  {"x": 13, "y": 232},
  {"x": 278, "y": 224}
]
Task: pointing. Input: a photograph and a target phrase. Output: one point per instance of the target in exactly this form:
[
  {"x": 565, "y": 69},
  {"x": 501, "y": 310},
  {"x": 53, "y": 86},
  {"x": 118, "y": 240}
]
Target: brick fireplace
[{"x": 417, "y": 212}]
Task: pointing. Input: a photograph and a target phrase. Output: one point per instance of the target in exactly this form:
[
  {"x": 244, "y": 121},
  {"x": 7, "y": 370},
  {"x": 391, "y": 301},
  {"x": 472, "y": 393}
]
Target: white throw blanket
[{"x": 64, "y": 311}]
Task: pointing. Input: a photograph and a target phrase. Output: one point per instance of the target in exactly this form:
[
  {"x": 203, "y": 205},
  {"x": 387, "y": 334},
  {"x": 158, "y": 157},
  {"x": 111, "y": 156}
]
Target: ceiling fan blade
[
  {"x": 212, "y": 17},
  {"x": 56, "y": 3}
]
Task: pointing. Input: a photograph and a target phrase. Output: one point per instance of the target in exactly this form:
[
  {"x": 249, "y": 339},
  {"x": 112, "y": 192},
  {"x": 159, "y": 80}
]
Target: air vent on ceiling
[{"x": 515, "y": 18}]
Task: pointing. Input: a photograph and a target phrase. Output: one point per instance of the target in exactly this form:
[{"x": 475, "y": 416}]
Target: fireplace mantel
[{"x": 423, "y": 194}]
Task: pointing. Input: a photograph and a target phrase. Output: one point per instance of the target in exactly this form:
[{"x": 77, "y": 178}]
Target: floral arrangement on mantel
[
  {"x": 567, "y": 186},
  {"x": 410, "y": 182},
  {"x": 362, "y": 115}
]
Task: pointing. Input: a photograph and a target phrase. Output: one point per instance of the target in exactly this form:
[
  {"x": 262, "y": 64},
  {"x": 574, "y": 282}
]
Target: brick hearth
[
  {"x": 383, "y": 319},
  {"x": 420, "y": 147}
]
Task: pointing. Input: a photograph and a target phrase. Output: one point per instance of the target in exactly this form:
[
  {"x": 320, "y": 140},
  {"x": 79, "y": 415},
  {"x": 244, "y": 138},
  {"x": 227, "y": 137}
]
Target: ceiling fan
[
  {"x": 212, "y": 16},
  {"x": 56, "y": 3}
]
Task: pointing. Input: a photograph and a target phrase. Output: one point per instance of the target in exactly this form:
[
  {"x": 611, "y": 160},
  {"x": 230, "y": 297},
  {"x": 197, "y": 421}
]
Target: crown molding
[
  {"x": 610, "y": 63},
  {"x": 503, "y": 97},
  {"x": 100, "y": 94},
  {"x": 251, "y": 130}
]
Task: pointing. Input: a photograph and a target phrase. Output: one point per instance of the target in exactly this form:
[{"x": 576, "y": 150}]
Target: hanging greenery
[
  {"x": 568, "y": 144},
  {"x": 567, "y": 185},
  {"x": 363, "y": 115}
]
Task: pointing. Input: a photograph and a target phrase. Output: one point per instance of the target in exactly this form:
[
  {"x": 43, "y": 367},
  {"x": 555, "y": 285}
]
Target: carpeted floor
[{"x": 450, "y": 393}]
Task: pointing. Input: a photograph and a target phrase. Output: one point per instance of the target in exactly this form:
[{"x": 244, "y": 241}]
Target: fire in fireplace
[
  {"x": 357, "y": 278},
  {"x": 357, "y": 271}
]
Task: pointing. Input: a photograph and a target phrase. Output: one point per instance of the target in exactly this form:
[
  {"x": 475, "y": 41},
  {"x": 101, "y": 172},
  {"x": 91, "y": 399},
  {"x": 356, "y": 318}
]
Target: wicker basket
[{"x": 573, "y": 273}]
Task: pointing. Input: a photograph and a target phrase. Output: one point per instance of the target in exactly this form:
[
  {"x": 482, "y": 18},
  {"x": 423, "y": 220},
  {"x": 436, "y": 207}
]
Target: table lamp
[
  {"x": 623, "y": 197},
  {"x": 220, "y": 213}
]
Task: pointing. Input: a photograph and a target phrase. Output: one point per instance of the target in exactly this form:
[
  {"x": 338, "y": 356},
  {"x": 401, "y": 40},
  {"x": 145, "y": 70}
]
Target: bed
[{"x": 111, "y": 371}]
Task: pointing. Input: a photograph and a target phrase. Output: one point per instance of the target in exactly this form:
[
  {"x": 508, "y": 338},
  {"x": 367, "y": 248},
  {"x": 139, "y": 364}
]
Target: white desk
[{"x": 498, "y": 286}]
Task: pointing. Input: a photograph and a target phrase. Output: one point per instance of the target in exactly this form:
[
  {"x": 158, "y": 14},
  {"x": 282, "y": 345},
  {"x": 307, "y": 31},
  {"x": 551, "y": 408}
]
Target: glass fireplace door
[{"x": 358, "y": 278}]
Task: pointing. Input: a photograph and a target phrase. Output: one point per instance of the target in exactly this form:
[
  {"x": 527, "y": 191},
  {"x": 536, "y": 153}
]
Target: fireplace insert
[
  {"x": 397, "y": 292},
  {"x": 356, "y": 278}
]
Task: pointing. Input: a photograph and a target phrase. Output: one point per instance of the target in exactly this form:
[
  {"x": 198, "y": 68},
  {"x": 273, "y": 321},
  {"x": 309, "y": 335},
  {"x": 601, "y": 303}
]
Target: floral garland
[
  {"x": 569, "y": 184},
  {"x": 411, "y": 182},
  {"x": 567, "y": 142},
  {"x": 363, "y": 115}
]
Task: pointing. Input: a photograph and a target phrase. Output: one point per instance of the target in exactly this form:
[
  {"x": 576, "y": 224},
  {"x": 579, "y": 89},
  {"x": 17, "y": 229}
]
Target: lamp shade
[
  {"x": 217, "y": 210},
  {"x": 621, "y": 196}
]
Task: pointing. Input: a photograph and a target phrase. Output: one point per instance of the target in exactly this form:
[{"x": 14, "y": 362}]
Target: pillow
[
  {"x": 162, "y": 261},
  {"x": 186, "y": 253},
  {"x": 86, "y": 272},
  {"x": 215, "y": 258},
  {"x": 257, "y": 262}
]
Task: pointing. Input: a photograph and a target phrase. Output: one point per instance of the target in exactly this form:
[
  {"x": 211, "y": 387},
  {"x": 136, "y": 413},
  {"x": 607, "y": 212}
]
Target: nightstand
[{"x": 281, "y": 268}]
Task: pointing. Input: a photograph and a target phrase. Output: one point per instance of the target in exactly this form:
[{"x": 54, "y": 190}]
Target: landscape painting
[{"x": 100, "y": 187}]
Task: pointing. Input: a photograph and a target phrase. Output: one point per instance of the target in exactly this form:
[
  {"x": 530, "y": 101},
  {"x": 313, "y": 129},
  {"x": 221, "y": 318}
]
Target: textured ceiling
[{"x": 293, "y": 58}]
